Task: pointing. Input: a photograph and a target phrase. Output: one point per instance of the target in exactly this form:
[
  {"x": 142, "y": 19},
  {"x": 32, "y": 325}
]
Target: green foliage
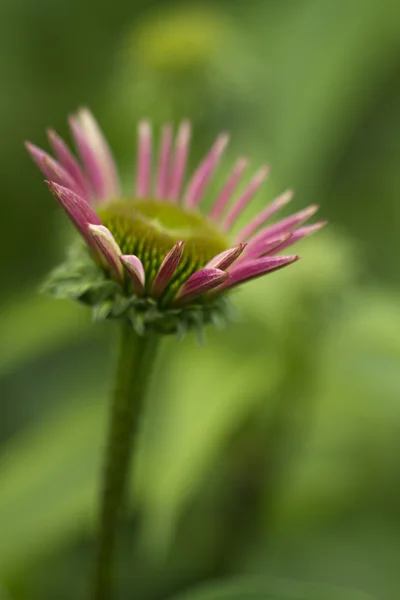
[
  {"x": 262, "y": 589},
  {"x": 32, "y": 326},
  {"x": 81, "y": 279}
]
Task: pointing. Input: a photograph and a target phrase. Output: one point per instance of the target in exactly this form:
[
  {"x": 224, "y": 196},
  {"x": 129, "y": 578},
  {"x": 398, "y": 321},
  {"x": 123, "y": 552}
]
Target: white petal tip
[
  {"x": 184, "y": 132},
  {"x": 222, "y": 142},
  {"x": 262, "y": 174},
  {"x": 144, "y": 129}
]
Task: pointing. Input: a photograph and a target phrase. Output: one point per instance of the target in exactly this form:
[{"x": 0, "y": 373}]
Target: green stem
[{"x": 134, "y": 367}]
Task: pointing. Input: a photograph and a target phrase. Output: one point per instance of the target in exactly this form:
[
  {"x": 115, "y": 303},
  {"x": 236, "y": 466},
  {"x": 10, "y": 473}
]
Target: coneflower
[
  {"x": 155, "y": 261},
  {"x": 167, "y": 259}
]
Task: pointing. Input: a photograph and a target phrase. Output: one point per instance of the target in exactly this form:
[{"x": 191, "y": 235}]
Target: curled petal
[
  {"x": 78, "y": 210},
  {"x": 257, "y": 268},
  {"x": 199, "y": 283},
  {"x": 204, "y": 171},
  {"x": 264, "y": 215},
  {"x": 245, "y": 198},
  {"x": 167, "y": 269},
  {"x": 228, "y": 189},
  {"x": 69, "y": 162},
  {"x": 180, "y": 160},
  {"x": 109, "y": 249},
  {"x": 226, "y": 259},
  {"x": 144, "y": 160},
  {"x": 51, "y": 168},
  {"x": 96, "y": 155},
  {"x": 164, "y": 162},
  {"x": 134, "y": 267}
]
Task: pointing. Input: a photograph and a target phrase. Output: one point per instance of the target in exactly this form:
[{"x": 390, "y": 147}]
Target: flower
[{"x": 155, "y": 254}]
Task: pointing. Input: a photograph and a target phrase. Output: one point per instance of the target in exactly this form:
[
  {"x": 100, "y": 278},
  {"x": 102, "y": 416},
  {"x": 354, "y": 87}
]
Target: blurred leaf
[
  {"x": 322, "y": 86},
  {"x": 3, "y": 594},
  {"x": 357, "y": 424},
  {"x": 49, "y": 476},
  {"x": 32, "y": 325},
  {"x": 264, "y": 589},
  {"x": 206, "y": 396}
]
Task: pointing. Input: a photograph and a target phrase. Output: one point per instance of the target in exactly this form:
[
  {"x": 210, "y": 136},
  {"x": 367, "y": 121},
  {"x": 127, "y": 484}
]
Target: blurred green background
[{"x": 274, "y": 451}]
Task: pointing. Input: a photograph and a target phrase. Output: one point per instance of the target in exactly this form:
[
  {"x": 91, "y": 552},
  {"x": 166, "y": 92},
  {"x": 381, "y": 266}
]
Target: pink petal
[
  {"x": 264, "y": 215},
  {"x": 50, "y": 167},
  {"x": 144, "y": 160},
  {"x": 133, "y": 265},
  {"x": 164, "y": 162},
  {"x": 263, "y": 247},
  {"x": 300, "y": 233},
  {"x": 69, "y": 162},
  {"x": 245, "y": 198},
  {"x": 228, "y": 189},
  {"x": 167, "y": 269},
  {"x": 77, "y": 209},
  {"x": 109, "y": 249},
  {"x": 180, "y": 159},
  {"x": 96, "y": 155},
  {"x": 285, "y": 225},
  {"x": 257, "y": 268},
  {"x": 199, "y": 283},
  {"x": 204, "y": 171},
  {"x": 226, "y": 259}
]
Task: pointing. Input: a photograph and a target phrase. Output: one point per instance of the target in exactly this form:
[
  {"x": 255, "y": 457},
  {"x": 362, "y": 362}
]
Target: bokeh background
[{"x": 274, "y": 450}]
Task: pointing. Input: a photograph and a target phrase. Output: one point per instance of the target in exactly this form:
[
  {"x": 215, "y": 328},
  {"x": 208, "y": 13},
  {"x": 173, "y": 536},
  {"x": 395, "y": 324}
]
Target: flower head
[{"x": 153, "y": 257}]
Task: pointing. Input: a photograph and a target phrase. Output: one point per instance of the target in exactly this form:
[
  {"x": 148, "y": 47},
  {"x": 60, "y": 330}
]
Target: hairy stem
[{"x": 134, "y": 368}]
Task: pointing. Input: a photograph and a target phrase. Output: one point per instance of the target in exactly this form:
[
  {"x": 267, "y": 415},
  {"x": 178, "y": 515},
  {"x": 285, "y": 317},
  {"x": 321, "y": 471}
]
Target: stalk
[{"x": 134, "y": 368}]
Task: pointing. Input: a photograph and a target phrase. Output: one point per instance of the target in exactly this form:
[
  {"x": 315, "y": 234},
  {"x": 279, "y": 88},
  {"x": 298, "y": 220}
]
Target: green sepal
[{"x": 80, "y": 278}]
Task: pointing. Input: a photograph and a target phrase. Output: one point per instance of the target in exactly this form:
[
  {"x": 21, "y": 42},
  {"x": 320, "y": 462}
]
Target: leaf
[
  {"x": 358, "y": 415},
  {"x": 323, "y": 88},
  {"x": 48, "y": 479},
  {"x": 205, "y": 397},
  {"x": 264, "y": 589},
  {"x": 3, "y": 594},
  {"x": 32, "y": 325}
]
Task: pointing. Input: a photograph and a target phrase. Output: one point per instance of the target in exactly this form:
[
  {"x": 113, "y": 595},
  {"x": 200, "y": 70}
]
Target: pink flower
[{"x": 158, "y": 242}]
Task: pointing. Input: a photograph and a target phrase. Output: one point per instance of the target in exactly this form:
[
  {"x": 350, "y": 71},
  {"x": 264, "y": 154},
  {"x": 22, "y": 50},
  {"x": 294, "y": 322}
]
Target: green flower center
[{"x": 150, "y": 228}]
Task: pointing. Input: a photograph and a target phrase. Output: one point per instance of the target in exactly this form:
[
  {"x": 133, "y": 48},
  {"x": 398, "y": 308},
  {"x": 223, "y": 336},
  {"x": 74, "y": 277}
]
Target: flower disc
[{"x": 150, "y": 228}]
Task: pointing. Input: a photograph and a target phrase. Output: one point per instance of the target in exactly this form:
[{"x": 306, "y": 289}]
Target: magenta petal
[
  {"x": 167, "y": 269},
  {"x": 268, "y": 246},
  {"x": 143, "y": 177},
  {"x": 77, "y": 209},
  {"x": 245, "y": 198},
  {"x": 109, "y": 249},
  {"x": 226, "y": 259},
  {"x": 96, "y": 155},
  {"x": 180, "y": 159},
  {"x": 164, "y": 162},
  {"x": 299, "y": 234},
  {"x": 264, "y": 215},
  {"x": 90, "y": 160},
  {"x": 199, "y": 283},
  {"x": 204, "y": 171},
  {"x": 69, "y": 162},
  {"x": 228, "y": 189},
  {"x": 134, "y": 267},
  {"x": 257, "y": 268},
  {"x": 285, "y": 225},
  {"x": 51, "y": 168}
]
